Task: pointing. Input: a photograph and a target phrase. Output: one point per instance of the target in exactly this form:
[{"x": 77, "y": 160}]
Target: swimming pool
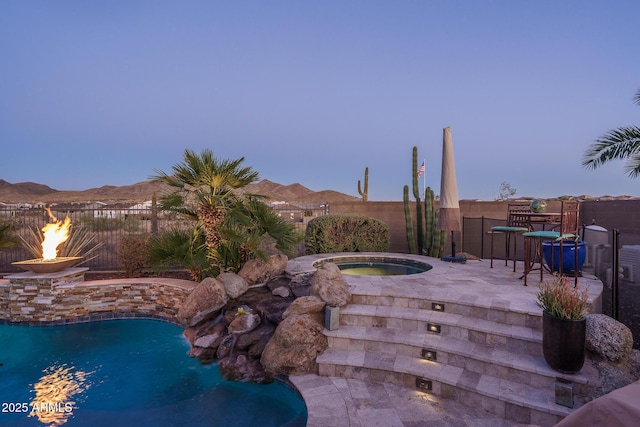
[{"x": 126, "y": 372}]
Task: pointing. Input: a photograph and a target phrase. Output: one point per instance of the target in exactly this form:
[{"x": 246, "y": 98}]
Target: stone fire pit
[{"x": 42, "y": 266}]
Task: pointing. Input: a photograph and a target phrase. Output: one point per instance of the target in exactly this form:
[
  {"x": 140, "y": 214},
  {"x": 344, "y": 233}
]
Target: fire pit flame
[{"x": 55, "y": 233}]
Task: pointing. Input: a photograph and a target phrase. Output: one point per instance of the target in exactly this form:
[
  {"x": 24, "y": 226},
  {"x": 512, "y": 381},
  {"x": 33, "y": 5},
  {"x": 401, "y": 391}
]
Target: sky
[{"x": 109, "y": 93}]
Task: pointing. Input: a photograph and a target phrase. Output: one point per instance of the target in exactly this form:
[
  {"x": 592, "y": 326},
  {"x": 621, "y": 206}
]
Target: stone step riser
[
  {"x": 491, "y": 404},
  {"x": 483, "y": 313},
  {"x": 514, "y": 336},
  {"x": 470, "y": 363},
  {"x": 515, "y": 344},
  {"x": 376, "y": 375}
]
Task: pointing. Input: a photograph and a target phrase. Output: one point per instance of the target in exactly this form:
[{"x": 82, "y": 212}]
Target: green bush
[
  {"x": 346, "y": 233},
  {"x": 132, "y": 253}
]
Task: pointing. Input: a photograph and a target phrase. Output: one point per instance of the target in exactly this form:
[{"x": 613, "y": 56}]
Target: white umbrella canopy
[{"x": 449, "y": 214}]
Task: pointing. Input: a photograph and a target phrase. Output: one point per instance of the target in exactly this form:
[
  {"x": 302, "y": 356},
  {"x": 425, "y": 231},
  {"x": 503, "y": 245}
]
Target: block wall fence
[{"x": 623, "y": 215}]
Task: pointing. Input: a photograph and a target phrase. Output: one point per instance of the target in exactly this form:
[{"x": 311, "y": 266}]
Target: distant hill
[
  {"x": 142, "y": 191},
  {"x": 23, "y": 191}
]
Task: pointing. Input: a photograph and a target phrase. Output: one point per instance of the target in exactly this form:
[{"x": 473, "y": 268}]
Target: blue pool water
[{"x": 127, "y": 373}]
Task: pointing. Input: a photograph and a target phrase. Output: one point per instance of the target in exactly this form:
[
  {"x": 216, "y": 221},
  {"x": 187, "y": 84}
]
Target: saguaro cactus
[
  {"x": 364, "y": 192},
  {"x": 416, "y": 194},
  {"x": 434, "y": 238},
  {"x": 408, "y": 222},
  {"x": 430, "y": 241}
]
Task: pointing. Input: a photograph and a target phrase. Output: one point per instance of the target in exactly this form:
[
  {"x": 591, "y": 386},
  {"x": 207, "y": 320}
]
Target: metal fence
[
  {"x": 617, "y": 264},
  {"x": 476, "y": 238},
  {"x": 109, "y": 226}
]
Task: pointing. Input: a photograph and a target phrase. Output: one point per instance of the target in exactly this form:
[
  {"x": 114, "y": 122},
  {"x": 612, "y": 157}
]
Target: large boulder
[
  {"x": 257, "y": 271},
  {"x": 295, "y": 344},
  {"x": 255, "y": 341},
  {"x": 244, "y": 323},
  {"x": 206, "y": 298},
  {"x": 239, "y": 367},
  {"x": 608, "y": 338},
  {"x": 272, "y": 308},
  {"x": 233, "y": 284},
  {"x": 329, "y": 285},
  {"x": 305, "y": 305}
]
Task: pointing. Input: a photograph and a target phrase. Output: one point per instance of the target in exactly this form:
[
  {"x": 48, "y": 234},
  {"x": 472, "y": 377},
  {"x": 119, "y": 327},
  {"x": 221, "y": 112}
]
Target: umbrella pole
[
  {"x": 453, "y": 257},
  {"x": 453, "y": 245}
]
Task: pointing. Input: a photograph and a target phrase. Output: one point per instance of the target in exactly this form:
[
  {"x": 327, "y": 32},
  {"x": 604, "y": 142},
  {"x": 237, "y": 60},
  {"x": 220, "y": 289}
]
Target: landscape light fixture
[
  {"x": 429, "y": 354},
  {"x": 432, "y": 327},
  {"x": 424, "y": 384},
  {"x": 436, "y": 306}
]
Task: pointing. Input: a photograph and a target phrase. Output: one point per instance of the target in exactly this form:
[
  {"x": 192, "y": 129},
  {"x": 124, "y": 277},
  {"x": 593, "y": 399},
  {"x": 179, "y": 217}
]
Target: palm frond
[
  {"x": 182, "y": 248},
  {"x": 621, "y": 143}
]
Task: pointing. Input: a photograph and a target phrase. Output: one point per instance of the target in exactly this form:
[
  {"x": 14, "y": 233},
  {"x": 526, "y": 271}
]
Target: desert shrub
[
  {"x": 346, "y": 233},
  {"x": 7, "y": 238},
  {"x": 132, "y": 254}
]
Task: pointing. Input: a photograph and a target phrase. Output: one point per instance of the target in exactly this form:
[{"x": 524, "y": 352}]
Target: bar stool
[
  {"x": 516, "y": 224},
  {"x": 566, "y": 230}
]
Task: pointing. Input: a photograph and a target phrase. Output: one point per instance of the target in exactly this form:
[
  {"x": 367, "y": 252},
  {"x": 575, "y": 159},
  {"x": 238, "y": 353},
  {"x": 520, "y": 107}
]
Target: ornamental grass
[{"x": 558, "y": 298}]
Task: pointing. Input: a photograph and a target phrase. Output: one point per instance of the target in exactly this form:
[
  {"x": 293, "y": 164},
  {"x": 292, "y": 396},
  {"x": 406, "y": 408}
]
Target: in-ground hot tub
[{"x": 375, "y": 265}]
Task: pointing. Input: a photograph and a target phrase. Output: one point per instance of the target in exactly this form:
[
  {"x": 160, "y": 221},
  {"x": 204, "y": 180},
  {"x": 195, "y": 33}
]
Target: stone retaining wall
[{"x": 37, "y": 301}]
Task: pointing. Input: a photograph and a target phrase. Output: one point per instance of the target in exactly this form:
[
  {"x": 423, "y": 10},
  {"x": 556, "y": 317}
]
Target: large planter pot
[
  {"x": 568, "y": 259},
  {"x": 564, "y": 343}
]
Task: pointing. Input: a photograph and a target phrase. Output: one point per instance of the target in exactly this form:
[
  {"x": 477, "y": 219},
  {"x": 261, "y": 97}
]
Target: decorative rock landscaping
[
  {"x": 608, "y": 338},
  {"x": 275, "y": 329}
]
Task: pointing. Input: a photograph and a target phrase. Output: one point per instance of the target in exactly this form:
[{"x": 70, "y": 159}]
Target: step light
[
  {"x": 436, "y": 306},
  {"x": 429, "y": 354},
  {"x": 432, "y": 327},
  {"x": 424, "y": 384}
]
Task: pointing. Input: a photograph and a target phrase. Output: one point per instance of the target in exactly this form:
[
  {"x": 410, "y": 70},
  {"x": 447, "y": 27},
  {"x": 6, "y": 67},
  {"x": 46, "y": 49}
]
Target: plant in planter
[{"x": 563, "y": 324}]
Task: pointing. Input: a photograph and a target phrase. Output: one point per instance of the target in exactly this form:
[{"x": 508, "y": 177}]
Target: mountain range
[{"x": 142, "y": 191}]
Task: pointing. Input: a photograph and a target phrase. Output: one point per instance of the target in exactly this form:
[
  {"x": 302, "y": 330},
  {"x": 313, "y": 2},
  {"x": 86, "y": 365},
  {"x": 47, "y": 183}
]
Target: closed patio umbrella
[{"x": 449, "y": 213}]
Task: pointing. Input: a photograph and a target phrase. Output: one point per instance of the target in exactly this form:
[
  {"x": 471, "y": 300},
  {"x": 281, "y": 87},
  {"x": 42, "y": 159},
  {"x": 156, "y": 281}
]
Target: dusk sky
[{"x": 97, "y": 93}]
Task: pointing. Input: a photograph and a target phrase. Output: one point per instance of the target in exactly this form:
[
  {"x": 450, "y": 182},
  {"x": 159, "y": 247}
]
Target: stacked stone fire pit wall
[{"x": 37, "y": 299}]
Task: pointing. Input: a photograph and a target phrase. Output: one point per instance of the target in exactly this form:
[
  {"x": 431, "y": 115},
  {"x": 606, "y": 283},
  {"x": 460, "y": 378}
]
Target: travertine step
[
  {"x": 499, "y": 396},
  {"x": 475, "y": 357},
  {"x": 453, "y": 305},
  {"x": 493, "y": 361},
  {"x": 519, "y": 339}
]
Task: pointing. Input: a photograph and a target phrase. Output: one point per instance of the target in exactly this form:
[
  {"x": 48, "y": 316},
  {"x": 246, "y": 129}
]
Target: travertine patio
[{"x": 489, "y": 369}]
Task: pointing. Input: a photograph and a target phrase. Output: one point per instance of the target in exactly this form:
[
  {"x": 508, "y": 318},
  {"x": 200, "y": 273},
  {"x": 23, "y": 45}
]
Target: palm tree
[
  {"x": 206, "y": 183},
  {"x": 251, "y": 230},
  {"x": 621, "y": 143},
  {"x": 183, "y": 248}
]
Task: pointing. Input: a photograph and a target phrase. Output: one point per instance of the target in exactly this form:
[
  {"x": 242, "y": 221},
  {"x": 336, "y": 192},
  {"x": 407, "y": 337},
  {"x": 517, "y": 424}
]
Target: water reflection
[{"x": 53, "y": 404}]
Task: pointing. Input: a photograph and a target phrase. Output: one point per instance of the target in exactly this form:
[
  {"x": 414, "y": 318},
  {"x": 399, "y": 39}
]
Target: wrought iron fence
[{"x": 110, "y": 225}]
